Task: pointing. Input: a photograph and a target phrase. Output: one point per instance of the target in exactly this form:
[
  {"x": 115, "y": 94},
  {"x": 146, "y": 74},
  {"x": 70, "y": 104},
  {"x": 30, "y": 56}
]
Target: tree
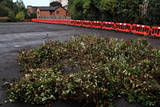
[
  {"x": 20, "y": 6},
  {"x": 20, "y": 16},
  {"x": 1, "y": 0},
  {"x": 70, "y": 2},
  {"x": 91, "y": 9},
  {"x": 5, "y": 7},
  {"x": 153, "y": 13},
  {"x": 107, "y": 10},
  {"x": 3, "y": 11},
  {"x": 33, "y": 15},
  {"x": 8, "y": 8},
  {"x": 55, "y": 3},
  {"x": 77, "y": 9},
  {"x": 11, "y": 15}
]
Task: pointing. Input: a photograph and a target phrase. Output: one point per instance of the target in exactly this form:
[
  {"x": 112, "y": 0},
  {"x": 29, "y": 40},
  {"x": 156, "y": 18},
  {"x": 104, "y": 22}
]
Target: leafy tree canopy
[
  {"x": 55, "y": 3},
  {"x": 11, "y": 9},
  {"x": 127, "y": 11},
  {"x": 153, "y": 14},
  {"x": 20, "y": 16}
]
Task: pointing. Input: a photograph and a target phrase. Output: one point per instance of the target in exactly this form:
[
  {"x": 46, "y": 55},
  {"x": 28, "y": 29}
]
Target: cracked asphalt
[{"x": 15, "y": 37}]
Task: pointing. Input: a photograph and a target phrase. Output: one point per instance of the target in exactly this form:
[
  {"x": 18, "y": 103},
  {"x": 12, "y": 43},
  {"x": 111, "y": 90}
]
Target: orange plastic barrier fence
[
  {"x": 56, "y": 21},
  {"x": 87, "y": 23},
  {"x": 78, "y": 23},
  {"x": 71, "y": 22},
  {"x": 42, "y": 20},
  {"x": 96, "y": 24},
  {"x": 59, "y": 21},
  {"x": 141, "y": 29},
  {"x": 33, "y": 20},
  {"x": 47, "y": 20},
  {"x": 66, "y": 21},
  {"x": 52, "y": 21},
  {"x": 108, "y": 25},
  {"x": 39, "y": 20},
  {"x": 155, "y": 31},
  {"x": 63, "y": 21},
  {"x": 125, "y": 27}
]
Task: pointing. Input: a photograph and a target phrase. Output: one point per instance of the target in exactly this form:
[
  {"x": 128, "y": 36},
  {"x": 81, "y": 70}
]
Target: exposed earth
[{"x": 15, "y": 37}]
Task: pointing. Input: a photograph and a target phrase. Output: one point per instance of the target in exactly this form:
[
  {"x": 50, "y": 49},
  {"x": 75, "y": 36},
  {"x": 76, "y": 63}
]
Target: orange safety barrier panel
[
  {"x": 78, "y": 23},
  {"x": 56, "y": 21},
  {"x": 108, "y": 25},
  {"x": 66, "y": 21},
  {"x": 52, "y": 21},
  {"x": 43, "y": 20},
  {"x": 33, "y": 20},
  {"x": 155, "y": 31},
  {"x": 38, "y": 20},
  {"x": 96, "y": 24},
  {"x": 87, "y": 23},
  {"x": 60, "y": 21},
  {"x": 125, "y": 27},
  {"x": 47, "y": 20},
  {"x": 141, "y": 29},
  {"x": 71, "y": 22}
]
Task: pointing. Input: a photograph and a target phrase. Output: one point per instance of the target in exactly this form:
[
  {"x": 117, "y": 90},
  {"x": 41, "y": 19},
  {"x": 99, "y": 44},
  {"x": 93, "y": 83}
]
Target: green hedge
[
  {"x": 90, "y": 69},
  {"x": 4, "y": 20},
  {"x": 8, "y": 20}
]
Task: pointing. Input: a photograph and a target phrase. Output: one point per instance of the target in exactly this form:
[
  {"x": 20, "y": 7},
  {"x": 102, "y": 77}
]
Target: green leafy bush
[
  {"x": 33, "y": 15},
  {"x": 6, "y": 20},
  {"x": 9, "y": 20},
  {"x": 20, "y": 16},
  {"x": 91, "y": 69}
]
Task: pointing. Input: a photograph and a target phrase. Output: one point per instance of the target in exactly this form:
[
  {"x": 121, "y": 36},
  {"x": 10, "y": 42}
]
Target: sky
[{"x": 35, "y": 2}]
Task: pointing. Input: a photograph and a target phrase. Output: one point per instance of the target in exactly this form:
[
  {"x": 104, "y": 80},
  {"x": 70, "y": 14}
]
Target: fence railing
[{"x": 54, "y": 17}]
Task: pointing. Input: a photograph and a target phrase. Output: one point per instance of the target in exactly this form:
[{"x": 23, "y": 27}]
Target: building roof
[
  {"x": 65, "y": 6},
  {"x": 36, "y": 6},
  {"x": 48, "y": 8}
]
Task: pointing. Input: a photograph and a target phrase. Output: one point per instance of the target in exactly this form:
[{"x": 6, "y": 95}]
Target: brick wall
[
  {"x": 60, "y": 12},
  {"x": 44, "y": 13}
]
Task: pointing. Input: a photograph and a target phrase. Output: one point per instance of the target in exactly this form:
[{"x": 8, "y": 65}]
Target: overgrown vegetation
[
  {"x": 152, "y": 16},
  {"x": 126, "y": 11},
  {"x": 11, "y": 9},
  {"x": 90, "y": 69},
  {"x": 20, "y": 16},
  {"x": 106, "y": 10},
  {"x": 6, "y": 20}
]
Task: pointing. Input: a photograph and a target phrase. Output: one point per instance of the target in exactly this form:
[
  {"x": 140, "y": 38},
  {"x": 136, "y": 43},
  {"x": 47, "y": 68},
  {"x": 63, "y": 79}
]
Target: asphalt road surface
[{"x": 15, "y": 37}]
